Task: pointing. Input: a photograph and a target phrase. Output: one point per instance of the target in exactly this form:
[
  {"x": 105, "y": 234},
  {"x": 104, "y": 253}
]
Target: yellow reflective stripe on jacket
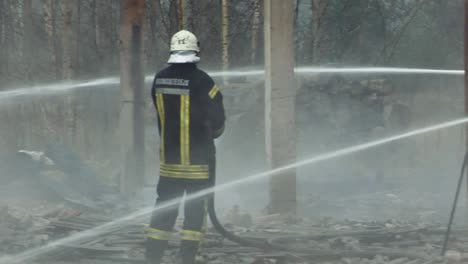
[
  {"x": 213, "y": 92},
  {"x": 162, "y": 118},
  {"x": 158, "y": 234},
  {"x": 185, "y": 168},
  {"x": 185, "y": 129},
  {"x": 191, "y": 235},
  {"x": 184, "y": 174}
]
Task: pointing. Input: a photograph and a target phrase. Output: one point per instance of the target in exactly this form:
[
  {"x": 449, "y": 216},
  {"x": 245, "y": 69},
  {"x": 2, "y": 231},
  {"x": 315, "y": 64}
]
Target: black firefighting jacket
[{"x": 190, "y": 116}]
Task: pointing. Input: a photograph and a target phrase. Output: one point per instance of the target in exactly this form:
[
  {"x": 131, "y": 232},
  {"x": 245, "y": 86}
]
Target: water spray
[
  {"x": 347, "y": 70},
  {"x": 102, "y": 229},
  {"x": 56, "y": 88},
  {"x": 69, "y": 86}
]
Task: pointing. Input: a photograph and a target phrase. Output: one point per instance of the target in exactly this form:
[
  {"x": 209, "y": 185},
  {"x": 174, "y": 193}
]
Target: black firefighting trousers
[{"x": 162, "y": 221}]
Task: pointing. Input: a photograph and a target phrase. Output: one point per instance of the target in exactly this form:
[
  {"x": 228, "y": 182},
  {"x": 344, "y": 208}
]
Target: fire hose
[
  {"x": 286, "y": 243},
  {"x": 283, "y": 243}
]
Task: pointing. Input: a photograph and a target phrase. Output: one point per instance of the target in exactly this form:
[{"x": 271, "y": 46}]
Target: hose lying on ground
[
  {"x": 286, "y": 243},
  {"x": 263, "y": 244}
]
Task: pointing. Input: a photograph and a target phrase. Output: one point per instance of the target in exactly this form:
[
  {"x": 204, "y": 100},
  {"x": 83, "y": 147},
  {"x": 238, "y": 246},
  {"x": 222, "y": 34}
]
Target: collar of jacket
[
  {"x": 177, "y": 58},
  {"x": 183, "y": 65}
]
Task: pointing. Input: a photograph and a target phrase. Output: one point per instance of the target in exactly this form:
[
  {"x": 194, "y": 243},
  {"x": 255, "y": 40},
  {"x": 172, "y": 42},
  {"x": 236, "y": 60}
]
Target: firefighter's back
[{"x": 186, "y": 136}]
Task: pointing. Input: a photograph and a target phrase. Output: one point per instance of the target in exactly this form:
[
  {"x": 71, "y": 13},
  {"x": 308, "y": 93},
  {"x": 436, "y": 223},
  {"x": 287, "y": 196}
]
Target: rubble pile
[
  {"x": 288, "y": 239},
  {"x": 294, "y": 240},
  {"x": 20, "y": 231}
]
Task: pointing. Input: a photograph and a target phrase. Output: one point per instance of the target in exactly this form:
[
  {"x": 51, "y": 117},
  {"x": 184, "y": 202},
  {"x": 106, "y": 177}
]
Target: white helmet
[{"x": 184, "y": 40}]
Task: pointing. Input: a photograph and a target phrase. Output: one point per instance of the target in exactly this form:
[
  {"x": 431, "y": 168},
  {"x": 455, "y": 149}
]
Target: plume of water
[
  {"x": 347, "y": 70},
  {"x": 99, "y": 230},
  {"x": 69, "y": 86},
  {"x": 56, "y": 88}
]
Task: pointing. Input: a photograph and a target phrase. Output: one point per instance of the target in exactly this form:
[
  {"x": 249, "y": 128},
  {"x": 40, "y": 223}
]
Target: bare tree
[
  {"x": 101, "y": 22},
  {"x": 319, "y": 8},
  {"x": 173, "y": 17},
  {"x": 96, "y": 30},
  {"x": 182, "y": 16},
  {"x": 225, "y": 33},
  {"x": 27, "y": 38},
  {"x": 49, "y": 26},
  {"x": 9, "y": 36},
  {"x": 67, "y": 38},
  {"x": 255, "y": 27},
  {"x": 2, "y": 37},
  {"x": 391, "y": 45},
  {"x": 77, "y": 37}
]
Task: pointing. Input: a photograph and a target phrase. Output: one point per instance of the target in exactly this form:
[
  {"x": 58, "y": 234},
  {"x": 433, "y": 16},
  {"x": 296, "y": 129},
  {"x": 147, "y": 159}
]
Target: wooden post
[
  {"x": 280, "y": 92},
  {"x": 466, "y": 80},
  {"x": 132, "y": 85}
]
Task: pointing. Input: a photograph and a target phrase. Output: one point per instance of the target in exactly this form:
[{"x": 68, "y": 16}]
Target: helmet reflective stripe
[{"x": 184, "y": 40}]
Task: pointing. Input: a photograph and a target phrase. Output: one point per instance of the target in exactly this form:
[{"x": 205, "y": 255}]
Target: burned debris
[{"x": 305, "y": 241}]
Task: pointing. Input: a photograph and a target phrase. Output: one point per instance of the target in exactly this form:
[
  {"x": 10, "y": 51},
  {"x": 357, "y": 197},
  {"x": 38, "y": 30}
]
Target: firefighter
[{"x": 190, "y": 116}]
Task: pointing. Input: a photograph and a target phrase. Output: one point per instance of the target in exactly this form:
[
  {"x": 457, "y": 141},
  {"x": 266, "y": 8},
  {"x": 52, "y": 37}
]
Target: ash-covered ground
[{"x": 391, "y": 224}]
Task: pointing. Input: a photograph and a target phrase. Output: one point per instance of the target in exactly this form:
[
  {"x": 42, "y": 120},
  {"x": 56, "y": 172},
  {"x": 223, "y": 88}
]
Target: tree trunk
[
  {"x": 49, "y": 26},
  {"x": 9, "y": 40},
  {"x": 95, "y": 29},
  {"x": 27, "y": 39},
  {"x": 181, "y": 5},
  {"x": 132, "y": 87},
  {"x": 188, "y": 14},
  {"x": 255, "y": 27},
  {"x": 153, "y": 9},
  {"x": 67, "y": 39},
  {"x": 115, "y": 27},
  {"x": 67, "y": 69},
  {"x": 173, "y": 18},
  {"x": 99, "y": 24},
  {"x": 102, "y": 24},
  {"x": 190, "y": 11},
  {"x": 225, "y": 34},
  {"x": 318, "y": 11},
  {"x": 77, "y": 38},
  {"x": 2, "y": 38}
]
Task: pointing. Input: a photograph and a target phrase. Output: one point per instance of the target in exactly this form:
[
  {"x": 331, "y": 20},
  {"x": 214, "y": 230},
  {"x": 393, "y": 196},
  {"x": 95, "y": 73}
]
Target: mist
[{"x": 364, "y": 71}]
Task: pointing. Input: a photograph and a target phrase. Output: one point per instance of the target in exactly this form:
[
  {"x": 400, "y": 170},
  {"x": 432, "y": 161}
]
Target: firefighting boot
[
  {"x": 188, "y": 251},
  {"x": 155, "y": 250}
]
